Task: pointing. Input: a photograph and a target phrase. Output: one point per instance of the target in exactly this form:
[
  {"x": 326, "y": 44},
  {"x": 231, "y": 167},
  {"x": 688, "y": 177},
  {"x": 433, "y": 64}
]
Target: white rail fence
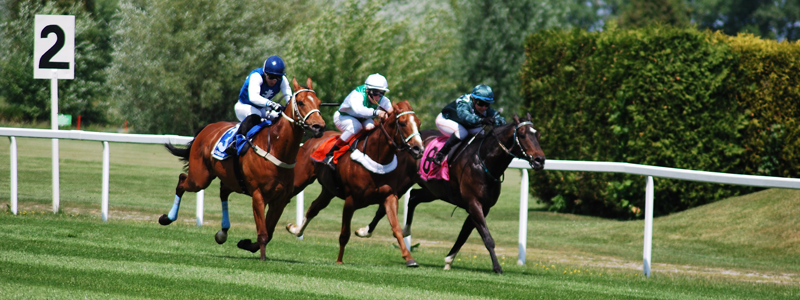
[{"x": 560, "y": 165}]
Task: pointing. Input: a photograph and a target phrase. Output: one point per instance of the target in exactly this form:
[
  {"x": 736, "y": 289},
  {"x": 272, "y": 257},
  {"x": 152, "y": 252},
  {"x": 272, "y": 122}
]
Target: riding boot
[
  {"x": 453, "y": 140},
  {"x": 329, "y": 157}
]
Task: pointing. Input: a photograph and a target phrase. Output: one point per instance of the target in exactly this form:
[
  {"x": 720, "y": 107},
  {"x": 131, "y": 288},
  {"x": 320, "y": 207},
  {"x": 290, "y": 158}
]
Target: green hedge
[{"x": 660, "y": 96}]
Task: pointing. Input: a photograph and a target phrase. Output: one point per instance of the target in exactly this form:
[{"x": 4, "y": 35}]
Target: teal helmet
[{"x": 483, "y": 92}]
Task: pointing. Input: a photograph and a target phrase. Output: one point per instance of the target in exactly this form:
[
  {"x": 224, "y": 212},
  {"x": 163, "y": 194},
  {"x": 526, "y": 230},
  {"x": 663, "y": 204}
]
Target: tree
[
  {"x": 640, "y": 13},
  {"x": 768, "y": 19},
  {"x": 28, "y": 98}
]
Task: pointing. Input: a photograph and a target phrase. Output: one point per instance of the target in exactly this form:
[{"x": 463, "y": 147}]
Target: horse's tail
[{"x": 183, "y": 153}]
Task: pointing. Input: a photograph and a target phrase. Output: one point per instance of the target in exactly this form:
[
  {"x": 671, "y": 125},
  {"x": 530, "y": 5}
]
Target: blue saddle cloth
[{"x": 231, "y": 138}]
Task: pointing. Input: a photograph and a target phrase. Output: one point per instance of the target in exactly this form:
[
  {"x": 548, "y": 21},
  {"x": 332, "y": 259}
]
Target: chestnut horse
[
  {"x": 265, "y": 173},
  {"x": 475, "y": 182},
  {"x": 355, "y": 184}
]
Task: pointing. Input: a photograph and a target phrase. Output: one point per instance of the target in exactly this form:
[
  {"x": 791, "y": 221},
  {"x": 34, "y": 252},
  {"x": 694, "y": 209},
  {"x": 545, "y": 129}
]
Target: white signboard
[{"x": 54, "y": 47}]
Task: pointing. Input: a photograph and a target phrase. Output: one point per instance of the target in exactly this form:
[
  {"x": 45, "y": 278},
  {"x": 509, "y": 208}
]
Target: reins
[{"x": 527, "y": 157}]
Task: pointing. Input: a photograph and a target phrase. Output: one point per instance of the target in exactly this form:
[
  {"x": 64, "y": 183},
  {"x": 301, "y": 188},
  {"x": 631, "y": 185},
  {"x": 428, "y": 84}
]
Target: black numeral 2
[{"x": 44, "y": 61}]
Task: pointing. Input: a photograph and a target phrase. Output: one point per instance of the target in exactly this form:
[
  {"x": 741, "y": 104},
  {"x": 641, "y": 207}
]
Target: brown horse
[
  {"x": 265, "y": 173},
  {"x": 355, "y": 184},
  {"x": 474, "y": 184}
]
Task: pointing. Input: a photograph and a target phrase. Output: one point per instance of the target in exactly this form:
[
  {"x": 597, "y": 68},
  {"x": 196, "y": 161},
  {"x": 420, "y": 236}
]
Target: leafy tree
[
  {"x": 640, "y": 13},
  {"x": 343, "y": 45},
  {"x": 179, "y": 65},
  {"x": 767, "y": 19},
  {"x": 28, "y": 98}
]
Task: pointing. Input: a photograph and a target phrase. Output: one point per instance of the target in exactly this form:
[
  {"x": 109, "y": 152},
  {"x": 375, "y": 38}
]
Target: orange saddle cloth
[{"x": 322, "y": 151}]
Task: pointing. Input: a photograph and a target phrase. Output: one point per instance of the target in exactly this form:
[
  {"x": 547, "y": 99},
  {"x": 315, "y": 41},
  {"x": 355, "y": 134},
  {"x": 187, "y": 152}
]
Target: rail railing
[{"x": 560, "y": 165}]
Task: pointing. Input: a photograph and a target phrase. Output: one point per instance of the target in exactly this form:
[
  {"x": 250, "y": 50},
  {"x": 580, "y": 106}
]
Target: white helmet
[{"x": 377, "y": 82}]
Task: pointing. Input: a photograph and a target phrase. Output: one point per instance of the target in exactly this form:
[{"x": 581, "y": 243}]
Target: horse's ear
[
  {"x": 294, "y": 84},
  {"x": 308, "y": 83},
  {"x": 528, "y": 114},
  {"x": 516, "y": 119}
]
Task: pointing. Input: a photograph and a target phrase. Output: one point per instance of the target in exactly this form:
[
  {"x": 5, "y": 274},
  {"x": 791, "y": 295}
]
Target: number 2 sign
[{"x": 54, "y": 47}]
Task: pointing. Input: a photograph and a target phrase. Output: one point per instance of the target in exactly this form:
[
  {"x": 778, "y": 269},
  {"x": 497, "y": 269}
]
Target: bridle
[
  {"x": 296, "y": 111},
  {"x": 391, "y": 139},
  {"x": 527, "y": 157}
]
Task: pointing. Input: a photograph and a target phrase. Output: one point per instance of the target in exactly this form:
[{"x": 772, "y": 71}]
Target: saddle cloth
[
  {"x": 356, "y": 155},
  {"x": 427, "y": 168},
  {"x": 322, "y": 151},
  {"x": 229, "y": 138}
]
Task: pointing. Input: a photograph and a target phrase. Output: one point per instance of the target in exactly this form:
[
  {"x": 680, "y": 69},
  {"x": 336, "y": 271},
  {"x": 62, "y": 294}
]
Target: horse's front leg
[
  {"x": 365, "y": 232},
  {"x": 417, "y": 196},
  {"x": 391, "y": 213},
  {"x": 344, "y": 235},
  {"x": 466, "y": 230},
  {"x": 261, "y": 227},
  {"x": 320, "y": 203},
  {"x": 478, "y": 216}
]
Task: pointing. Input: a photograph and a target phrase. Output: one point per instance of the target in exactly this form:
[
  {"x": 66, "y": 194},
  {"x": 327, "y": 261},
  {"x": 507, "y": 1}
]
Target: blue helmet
[
  {"x": 483, "y": 92},
  {"x": 274, "y": 65}
]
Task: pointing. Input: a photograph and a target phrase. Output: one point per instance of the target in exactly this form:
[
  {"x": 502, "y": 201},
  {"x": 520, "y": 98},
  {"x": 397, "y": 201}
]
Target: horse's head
[
  {"x": 527, "y": 143},
  {"x": 304, "y": 108},
  {"x": 406, "y": 124}
]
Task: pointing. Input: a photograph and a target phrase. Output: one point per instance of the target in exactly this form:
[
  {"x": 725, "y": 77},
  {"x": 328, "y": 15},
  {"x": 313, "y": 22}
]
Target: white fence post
[
  {"x": 648, "y": 225},
  {"x": 106, "y": 171},
  {"x": 523, "y": 216},
  {"x": 199, "y": 208},
  {"x": 13, "y": 175},
  {"x": 300, "y": 210},
  {"x": 54, "y": 127}
]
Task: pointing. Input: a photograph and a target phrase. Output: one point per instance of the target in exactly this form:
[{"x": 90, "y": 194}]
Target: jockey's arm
[
  {"x": 465, "y": 113},
  {"x": 353, "y": 105},
  {"x": 386, "y": 104},
  {"x": 286, "y": 90}
]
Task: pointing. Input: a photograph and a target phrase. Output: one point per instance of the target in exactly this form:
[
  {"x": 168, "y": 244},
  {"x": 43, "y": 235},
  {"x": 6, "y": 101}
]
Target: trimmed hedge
[{"x": 661, "y": 96}]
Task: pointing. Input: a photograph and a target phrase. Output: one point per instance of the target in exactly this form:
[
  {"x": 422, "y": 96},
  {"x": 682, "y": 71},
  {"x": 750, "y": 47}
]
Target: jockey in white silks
[{"x": 358, "y": 109}]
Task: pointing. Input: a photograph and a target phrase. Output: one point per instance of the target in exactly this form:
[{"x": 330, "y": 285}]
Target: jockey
[
  {"x": 261, "y": 85},
  {"x": 465, "y": 116},
  {"x": 358, "y": 110}
]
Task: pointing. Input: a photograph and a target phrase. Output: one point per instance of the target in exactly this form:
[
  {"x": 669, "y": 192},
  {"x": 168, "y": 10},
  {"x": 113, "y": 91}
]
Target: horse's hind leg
[
  {"x": 344, "y": 235},
  {"x": 417, "y": 196},
  {"x": 466, "y": 230},
  {"x": 222, "y": 234},
  {"x": 320, "y": 203},
  {"x": 198, "y": 178}
]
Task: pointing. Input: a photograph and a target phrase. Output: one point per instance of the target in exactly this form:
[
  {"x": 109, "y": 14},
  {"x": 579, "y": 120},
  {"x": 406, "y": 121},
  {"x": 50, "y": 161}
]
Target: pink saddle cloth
[{"x": 427, "y": 168}]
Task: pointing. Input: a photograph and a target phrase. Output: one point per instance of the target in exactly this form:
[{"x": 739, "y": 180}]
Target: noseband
[
  {"x": 296, "y": 111},
  {"x": 405, "y": 146}
]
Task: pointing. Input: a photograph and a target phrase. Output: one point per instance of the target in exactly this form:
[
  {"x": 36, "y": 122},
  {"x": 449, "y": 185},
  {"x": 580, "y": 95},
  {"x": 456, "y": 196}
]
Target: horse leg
[
  {"x": 198, "y": 178},
  {"x": 261, "y": 227},
  {"x": 478, "y": 216},
  {"x": 391, "y": 213},
  {"x": 344, "y": 235},
  {"x": 365, "y": 232},
  {"x": 466, "y": 230},
  {"x": 320, "y": 203},
  {"x": 222, "y": 234},
  {"x": 273, "y": 216},
  {"x": 417, "y": 196}
]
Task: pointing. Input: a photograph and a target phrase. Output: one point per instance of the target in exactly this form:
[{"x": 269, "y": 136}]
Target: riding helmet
[
  {"x": 483, "y": 92},
  {"x": 274, "y": 65},
  {"x": 376, "y": 82}
]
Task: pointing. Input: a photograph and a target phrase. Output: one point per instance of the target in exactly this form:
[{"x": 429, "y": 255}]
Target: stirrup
[
  {"x": 329, "y": 162},
  {"x": 439, "y": 158}
]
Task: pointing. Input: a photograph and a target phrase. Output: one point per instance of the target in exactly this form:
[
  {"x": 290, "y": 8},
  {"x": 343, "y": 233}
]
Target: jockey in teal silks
[{"x": 465, "y": 116}]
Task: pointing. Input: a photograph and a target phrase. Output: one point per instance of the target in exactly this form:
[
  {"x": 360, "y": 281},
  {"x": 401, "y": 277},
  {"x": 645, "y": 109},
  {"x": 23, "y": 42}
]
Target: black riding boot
[
  {"x": 247, "y": 123},
  {"x": 445, "y": 149},
  {"x": 329, "y": 158}
]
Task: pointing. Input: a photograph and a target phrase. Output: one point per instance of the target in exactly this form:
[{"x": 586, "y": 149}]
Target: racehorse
[
  {"x": 265, "y": 173},
  {"x": 355, "y": 184},
  {"x": 475, "y": 180}
]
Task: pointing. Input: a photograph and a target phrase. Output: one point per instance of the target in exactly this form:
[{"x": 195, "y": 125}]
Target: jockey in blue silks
[{"x": 261, "y": 85}]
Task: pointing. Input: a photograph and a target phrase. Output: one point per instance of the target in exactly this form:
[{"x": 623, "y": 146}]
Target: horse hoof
[
  {"x": 406, "y": 231},
  {"x": 164, "y": 220},
  {"x": 221, "y": 237},
  {"x": 247, "y": 245},
  {"x": 363, "y": 232},
  {"x": 291, "y": 228},
  {"x": 499, "y": 271},
  {"x": 412, "y": 263}
]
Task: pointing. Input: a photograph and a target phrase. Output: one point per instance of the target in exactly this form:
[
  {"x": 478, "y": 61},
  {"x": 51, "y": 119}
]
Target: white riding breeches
[
  {"x": 449, "y": 127},
  {"x": 350, "y": 126}
]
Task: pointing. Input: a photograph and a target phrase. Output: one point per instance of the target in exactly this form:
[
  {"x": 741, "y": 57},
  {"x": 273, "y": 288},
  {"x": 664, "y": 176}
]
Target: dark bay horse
[
  {"x": 475, "y": 179},
  {"x": 266, "y": 170},
  {"x": 355, "y": 184}
]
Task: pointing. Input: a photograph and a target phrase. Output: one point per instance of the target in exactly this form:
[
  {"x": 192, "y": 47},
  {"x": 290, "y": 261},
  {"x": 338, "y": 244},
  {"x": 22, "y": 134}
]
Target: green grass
[{"x": 740, "y": 248}]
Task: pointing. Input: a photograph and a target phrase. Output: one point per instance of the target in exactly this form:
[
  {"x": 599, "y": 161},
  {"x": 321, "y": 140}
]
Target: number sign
[{"x": 54, "y": 47}]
